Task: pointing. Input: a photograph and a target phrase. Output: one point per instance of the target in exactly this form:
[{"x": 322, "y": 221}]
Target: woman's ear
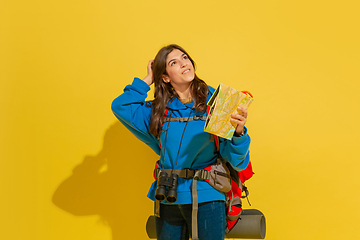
[{"x": 166, "y": 78}]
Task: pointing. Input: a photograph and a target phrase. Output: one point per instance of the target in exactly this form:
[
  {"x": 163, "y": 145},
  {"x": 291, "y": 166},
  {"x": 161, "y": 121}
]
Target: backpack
[
  {"x": 235, "y": 181},
  {"x": 233, "y": 197}
]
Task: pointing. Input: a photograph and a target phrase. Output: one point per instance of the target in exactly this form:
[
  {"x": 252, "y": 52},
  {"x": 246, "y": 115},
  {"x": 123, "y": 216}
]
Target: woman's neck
[{"x": 183, "y": 93}]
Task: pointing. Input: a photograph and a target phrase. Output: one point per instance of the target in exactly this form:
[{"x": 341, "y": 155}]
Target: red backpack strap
[
  {"x": 216, "y": 139},
  {"x": 165, "y": 113}
]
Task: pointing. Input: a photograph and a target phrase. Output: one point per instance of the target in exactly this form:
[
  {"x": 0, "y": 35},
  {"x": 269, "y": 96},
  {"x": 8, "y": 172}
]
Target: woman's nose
[{"x": 183, "y": 63}]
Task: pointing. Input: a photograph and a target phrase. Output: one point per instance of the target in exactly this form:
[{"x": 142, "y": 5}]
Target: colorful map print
[{"x": 223, "y": 103}]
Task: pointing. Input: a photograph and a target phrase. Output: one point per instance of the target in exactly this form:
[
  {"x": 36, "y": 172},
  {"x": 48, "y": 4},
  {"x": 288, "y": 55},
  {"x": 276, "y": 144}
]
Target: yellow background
[{"x": 63, "y": 62}]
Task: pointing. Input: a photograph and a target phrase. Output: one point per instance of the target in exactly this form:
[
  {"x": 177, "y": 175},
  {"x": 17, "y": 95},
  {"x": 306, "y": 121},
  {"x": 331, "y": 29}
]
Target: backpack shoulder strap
[
  {"x": 180, "y": 119},
  {"x": 184, "y": 119},
  {"x": 165, "y": 113}
]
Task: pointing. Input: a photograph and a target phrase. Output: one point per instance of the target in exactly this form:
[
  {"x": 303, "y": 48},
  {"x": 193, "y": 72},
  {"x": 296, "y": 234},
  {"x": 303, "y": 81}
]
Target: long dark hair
[{"x": 164, "y": 91}]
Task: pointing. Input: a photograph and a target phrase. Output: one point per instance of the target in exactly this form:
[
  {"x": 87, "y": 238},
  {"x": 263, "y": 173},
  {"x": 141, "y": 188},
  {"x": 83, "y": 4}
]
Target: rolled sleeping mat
[
  {"x": 150, "y": 227},
  {"x": 251, "y": 225}
]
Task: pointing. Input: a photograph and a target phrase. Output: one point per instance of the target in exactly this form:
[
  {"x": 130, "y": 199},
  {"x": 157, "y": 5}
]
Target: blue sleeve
[
  {"x": 236, "y": 151},
  {"x": 134, "y": 113}
]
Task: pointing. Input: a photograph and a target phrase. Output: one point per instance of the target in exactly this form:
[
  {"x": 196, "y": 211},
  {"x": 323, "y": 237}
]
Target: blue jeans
[{"x": 175, "y": 221}]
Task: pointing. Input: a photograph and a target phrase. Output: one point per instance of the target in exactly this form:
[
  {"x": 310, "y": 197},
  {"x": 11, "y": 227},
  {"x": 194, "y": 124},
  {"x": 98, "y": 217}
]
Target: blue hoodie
[{"x": 184, "y": 144}]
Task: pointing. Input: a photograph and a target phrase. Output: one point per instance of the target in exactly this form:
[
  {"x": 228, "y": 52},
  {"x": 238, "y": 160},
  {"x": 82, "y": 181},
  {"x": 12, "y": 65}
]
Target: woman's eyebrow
[
  {"x": 175, "y": 58},
  {"x": 171, "y": 61}
]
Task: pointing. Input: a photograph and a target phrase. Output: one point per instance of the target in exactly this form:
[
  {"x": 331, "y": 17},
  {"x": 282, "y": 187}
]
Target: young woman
[{"x": 181, "y": 94}]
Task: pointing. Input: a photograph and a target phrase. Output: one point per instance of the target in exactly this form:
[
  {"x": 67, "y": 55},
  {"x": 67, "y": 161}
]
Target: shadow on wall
[{"x": 111, "y": 185}]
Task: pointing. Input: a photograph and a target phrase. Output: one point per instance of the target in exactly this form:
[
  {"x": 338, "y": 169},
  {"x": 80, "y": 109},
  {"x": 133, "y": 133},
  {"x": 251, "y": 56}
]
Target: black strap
[{"x": 184, "y": 119}]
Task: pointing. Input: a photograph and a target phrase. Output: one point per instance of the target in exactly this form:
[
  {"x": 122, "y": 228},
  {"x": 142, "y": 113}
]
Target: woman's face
[{"x": 180, "y": 70}]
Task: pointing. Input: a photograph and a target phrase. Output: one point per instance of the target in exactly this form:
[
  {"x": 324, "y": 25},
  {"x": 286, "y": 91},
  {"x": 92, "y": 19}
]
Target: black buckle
[{"x": 189, "y": 173}]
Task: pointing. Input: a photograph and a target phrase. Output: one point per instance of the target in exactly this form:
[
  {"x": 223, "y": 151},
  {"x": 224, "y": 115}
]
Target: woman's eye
[
  {"x": 185, "y": 57},
  {"x": 172, "y": 63}
]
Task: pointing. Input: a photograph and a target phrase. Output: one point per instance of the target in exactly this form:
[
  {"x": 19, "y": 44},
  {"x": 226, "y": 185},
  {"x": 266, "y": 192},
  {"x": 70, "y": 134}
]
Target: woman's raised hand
[
  {"x": 149, "y": 77},
  {"x": 239, "y": 120}
]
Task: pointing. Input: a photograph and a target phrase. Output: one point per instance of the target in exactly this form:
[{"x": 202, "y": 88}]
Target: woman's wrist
[
  {"x": 148, "y": 79},
  {"x": 242, "y": 133}
]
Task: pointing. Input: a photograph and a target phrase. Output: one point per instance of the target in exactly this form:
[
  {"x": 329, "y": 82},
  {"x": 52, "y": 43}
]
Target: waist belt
[
  {"x": 201, "y": 174},
  {"x": 185, "y": 173}
]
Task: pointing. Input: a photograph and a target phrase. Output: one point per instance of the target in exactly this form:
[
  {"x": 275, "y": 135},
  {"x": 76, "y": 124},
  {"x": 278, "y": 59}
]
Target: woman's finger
[
  {"x": 242, "y": 111},
  {"x": 238, "y": 116},
  {"x": 236, "y": 121}
]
